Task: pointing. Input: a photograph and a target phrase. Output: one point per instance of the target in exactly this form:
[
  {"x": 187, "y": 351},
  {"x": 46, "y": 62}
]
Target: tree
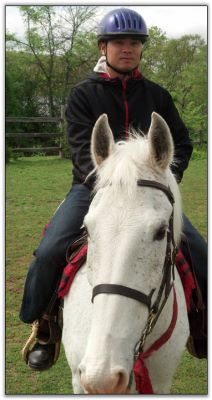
[
  {"x": 152, "y": 58},
  {"x": 195, "y": 108},
  {"x": 21, "y": 85},
  {"x": 51, "y": 33},
  {"x": 77, "y": 47},
  {"x": 186, "y": 78},
  {"x": 180, "y": 65}
]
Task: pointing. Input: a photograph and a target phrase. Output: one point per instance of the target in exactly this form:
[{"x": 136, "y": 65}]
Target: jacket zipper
[{"x": 124, "y": 85}]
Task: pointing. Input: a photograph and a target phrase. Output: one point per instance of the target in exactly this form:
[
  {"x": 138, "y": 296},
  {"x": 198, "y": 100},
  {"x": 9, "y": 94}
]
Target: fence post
[{"x": 62, "y": 129}]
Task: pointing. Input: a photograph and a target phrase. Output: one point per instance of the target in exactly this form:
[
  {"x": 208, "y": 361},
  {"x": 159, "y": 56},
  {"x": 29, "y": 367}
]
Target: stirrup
[
  {"x": 47, "y": 329},
  {"x": 31, "y": 341}
]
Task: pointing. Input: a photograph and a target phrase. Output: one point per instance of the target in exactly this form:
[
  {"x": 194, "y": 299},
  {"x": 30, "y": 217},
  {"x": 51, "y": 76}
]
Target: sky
[{"x": 174, "y": 20}]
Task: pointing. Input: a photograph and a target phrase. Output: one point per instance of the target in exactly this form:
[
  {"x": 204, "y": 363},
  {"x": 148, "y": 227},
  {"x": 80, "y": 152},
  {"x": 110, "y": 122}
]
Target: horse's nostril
[
  {"x": 122, "y": 380},
  {"x": 79, "y": 372}
]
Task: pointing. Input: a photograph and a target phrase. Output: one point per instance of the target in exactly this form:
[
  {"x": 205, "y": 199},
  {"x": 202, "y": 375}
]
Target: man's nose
[{"x": 127, "y": 49}]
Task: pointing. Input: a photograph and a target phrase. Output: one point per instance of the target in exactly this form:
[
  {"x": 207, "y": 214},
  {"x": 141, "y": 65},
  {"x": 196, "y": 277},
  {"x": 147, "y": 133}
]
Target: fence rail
[
  {"x": 29, "y": 135},
  {"x": 33, "y": 119},
  {"x": 32, "y": 150},
  {"x": 58, "y": 121}
]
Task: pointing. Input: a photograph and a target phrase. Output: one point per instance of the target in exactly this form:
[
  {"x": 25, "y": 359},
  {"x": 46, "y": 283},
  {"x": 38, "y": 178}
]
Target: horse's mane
[{"x": 129, "y": 162}]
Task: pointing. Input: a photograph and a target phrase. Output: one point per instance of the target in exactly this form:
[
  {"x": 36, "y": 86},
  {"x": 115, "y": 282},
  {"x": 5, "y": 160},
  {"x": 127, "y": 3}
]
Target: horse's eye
[{"x": 160, "y": 233}]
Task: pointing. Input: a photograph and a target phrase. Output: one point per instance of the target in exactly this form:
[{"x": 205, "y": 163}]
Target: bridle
[{"x": 167, "y": 277}]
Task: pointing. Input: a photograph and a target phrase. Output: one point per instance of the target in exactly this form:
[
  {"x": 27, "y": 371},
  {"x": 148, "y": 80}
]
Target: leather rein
[{"x": 167, "y": 276}]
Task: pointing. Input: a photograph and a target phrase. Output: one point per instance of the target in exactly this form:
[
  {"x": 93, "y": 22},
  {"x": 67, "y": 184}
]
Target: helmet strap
[{"x": 120, "y": 71}]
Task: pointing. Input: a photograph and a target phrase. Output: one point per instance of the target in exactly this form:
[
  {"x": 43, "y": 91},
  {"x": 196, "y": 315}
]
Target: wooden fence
[{"x": 58, "y": 121}]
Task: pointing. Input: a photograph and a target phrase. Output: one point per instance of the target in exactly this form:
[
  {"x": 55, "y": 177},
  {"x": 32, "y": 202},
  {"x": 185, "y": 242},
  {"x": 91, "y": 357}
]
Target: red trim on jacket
[
  {"x": 136, "y": 74},
  {"x": 124, "y": 85}
]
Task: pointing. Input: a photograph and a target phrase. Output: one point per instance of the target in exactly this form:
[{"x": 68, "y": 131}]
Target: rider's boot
[
  {"x": 42, "y": 349},
  {"x": 197, "y": 344}
]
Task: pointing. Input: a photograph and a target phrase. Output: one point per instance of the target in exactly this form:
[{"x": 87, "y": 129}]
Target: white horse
[{"x": 129, "y": 226}]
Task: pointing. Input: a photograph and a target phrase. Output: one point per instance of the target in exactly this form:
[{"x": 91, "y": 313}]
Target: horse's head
[{"x": 127, "y": 226}]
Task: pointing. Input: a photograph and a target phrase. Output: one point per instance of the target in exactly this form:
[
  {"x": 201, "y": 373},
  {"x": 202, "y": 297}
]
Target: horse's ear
[
  {"x": 102, "y": 141},
  {"x": 161, "y": 142}
]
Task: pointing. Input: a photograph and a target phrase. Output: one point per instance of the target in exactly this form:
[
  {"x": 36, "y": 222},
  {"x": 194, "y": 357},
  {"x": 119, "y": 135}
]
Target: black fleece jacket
[{"x": 127, "y": 106}]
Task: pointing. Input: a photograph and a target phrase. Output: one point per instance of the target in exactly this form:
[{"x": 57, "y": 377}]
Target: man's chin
[{"x": 124, "y": 70}]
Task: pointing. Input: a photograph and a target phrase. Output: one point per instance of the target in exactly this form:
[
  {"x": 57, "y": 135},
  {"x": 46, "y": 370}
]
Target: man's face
[{"x": 122, "y": 53}]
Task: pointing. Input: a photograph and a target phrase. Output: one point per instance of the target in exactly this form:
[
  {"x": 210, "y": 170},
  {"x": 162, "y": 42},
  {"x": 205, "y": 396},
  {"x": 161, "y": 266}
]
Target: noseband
[{"x": 166, "y": 282}]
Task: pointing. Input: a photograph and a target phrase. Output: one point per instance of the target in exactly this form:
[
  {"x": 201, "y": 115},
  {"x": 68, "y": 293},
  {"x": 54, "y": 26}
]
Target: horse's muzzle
[{"x": 102, "y": 381}]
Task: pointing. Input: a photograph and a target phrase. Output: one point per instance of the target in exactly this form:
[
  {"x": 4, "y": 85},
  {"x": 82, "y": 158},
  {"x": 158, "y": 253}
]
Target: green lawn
[{"x": 34, "y": 188}]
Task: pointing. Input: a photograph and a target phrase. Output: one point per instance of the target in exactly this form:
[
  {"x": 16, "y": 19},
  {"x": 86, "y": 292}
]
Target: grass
[{"x": 34, "y": 188}]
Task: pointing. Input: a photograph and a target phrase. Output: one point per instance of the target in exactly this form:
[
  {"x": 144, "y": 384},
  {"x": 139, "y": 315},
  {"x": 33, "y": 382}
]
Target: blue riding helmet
[{"x": 122, "y": 21}]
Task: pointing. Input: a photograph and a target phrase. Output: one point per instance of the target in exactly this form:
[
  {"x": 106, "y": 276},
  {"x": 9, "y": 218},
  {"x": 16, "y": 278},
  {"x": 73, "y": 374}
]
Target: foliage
[
  {"x": 52, "y": 37},
  {"x": 152, "y": 57},
  {"x": 199, "y": 153},
  {"x": 180, "y": 65},
  {"x": 8, "y": 153},
  {"x": 21, "y": 85}
]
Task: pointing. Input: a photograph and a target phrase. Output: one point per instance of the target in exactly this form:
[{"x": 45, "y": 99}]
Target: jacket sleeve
[
  {"x": 80, "y": 122},
  {"x": 182, "y": 142}
]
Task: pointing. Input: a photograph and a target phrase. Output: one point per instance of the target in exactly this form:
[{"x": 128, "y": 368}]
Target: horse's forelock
[
  {"x": 130, "y": 162},
  {"x": 123, "y": 167}
]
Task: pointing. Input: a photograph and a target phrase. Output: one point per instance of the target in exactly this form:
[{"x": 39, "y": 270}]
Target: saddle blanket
[{"x": 79, "y": 258}]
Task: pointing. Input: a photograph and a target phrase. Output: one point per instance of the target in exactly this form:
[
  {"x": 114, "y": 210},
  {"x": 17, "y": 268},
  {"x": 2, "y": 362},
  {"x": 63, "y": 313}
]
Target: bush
[
  {"x": 8, "y": 153},
  {"x": 199, "y": 153}
]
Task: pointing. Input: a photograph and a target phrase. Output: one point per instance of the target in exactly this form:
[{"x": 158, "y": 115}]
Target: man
[{"x": 118, "y": 89}]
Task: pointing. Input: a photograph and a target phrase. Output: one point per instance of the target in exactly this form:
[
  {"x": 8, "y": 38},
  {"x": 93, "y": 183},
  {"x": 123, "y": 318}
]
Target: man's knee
[{"x": 50, "y": 254}]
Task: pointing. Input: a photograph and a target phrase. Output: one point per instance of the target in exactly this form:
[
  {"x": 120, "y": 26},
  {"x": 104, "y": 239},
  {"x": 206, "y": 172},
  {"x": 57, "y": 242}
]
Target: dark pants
[
  {"x": 64, "y": 227},
  {"x": 50, "y": 257},
  {"x": 198, "y": 253}
]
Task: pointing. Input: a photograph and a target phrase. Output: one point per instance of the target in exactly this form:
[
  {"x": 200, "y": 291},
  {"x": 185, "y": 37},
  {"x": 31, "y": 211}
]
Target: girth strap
[{"x": 123, "y": 291}]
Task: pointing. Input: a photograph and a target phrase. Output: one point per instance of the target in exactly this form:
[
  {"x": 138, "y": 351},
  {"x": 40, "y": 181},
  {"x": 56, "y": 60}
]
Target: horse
[{"x": 128, "y": 294}]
